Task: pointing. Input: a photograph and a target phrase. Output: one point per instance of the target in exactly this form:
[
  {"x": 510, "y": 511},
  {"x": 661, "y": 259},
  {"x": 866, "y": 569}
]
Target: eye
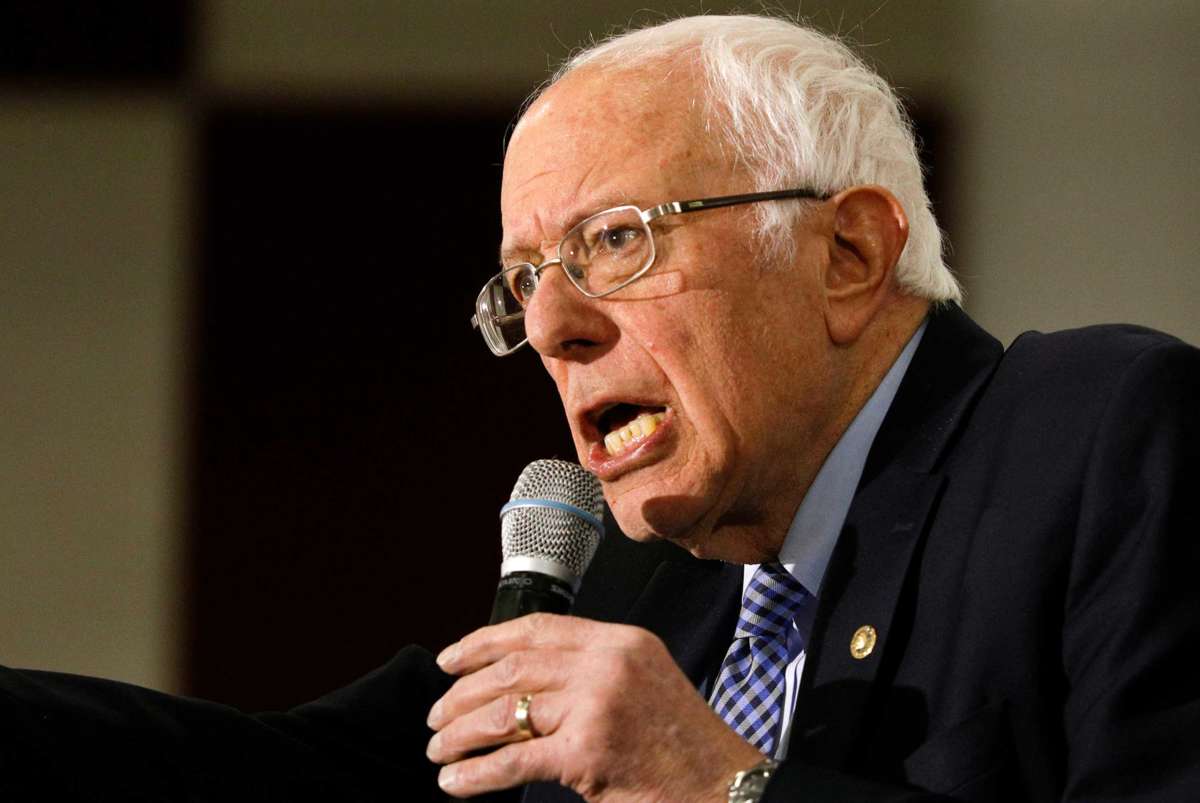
[
  {"x": 521, "y": 284},
  {"x": 618, "y": 239}
]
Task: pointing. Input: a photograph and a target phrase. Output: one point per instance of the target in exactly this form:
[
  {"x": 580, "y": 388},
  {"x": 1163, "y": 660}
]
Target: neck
[{"x": 756, "y": 535}]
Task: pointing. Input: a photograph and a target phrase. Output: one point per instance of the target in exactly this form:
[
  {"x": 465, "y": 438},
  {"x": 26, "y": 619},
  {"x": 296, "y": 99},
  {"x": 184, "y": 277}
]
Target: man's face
[{"x": 726, "y": 355}]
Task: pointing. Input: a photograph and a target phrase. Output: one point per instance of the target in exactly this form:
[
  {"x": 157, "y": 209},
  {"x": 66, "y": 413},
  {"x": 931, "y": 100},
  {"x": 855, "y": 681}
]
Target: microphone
[{"x": 549, "y": 531}]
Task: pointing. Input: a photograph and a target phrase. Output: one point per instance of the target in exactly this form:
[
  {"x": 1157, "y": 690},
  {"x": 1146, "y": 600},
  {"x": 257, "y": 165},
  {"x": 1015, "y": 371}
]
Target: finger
[
  {"x": 489, "y": 644},
  {"x": 494, "y": 724},
  {"x": 521, "y": 672},
  {"x": 511, "y": 765}
]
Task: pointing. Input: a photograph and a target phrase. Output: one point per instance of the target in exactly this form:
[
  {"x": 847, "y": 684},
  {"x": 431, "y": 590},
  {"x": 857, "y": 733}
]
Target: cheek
[
  {"x": 737, "y": 368},
  {"x": 558, "y": 374},
  {"x": 705, "y": 341},
  {"x": 702, "y": 363}
]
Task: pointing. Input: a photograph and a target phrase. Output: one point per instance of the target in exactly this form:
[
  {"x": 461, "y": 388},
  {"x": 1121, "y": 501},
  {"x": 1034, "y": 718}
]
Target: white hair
[{"x": 799, "y": 109}]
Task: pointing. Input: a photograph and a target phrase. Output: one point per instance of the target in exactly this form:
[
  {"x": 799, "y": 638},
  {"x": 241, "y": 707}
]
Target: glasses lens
[
  {"x": 607, "y": 250},
  {"x": 500, "y": 308}
]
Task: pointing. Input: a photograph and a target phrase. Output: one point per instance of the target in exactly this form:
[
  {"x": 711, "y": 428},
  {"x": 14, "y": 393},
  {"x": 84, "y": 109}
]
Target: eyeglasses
[{"x": 600, "y": 255}]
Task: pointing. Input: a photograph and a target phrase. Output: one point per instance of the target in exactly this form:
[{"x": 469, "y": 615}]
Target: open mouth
[{"x": 623, "y": 426}]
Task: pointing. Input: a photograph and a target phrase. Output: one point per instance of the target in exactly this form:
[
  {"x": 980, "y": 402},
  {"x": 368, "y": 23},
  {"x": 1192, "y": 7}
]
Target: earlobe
[{"x": 869, "y": 233}]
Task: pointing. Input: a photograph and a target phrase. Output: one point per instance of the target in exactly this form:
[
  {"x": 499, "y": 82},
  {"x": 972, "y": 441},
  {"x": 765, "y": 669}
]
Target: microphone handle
[{"x": 520, "y": 593}]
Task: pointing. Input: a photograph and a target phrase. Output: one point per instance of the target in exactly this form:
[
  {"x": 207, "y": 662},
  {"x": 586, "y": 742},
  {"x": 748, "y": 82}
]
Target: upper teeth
[{"x": 618, "y": 440}]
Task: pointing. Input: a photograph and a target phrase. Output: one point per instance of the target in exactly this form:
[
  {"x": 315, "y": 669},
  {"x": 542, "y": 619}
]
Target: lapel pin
[{"x": 863, "y": 642}]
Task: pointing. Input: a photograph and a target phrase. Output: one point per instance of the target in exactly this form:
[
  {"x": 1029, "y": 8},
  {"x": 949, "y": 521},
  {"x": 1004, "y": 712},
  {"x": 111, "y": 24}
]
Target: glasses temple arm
[{"x": 697, "y": 204}]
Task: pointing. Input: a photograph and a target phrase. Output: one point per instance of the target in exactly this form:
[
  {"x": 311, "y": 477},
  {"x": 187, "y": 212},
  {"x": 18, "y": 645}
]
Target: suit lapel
[
  {"x": 855, "y": 615},
  {"x": 880, "y": 544},
  {"x": 692, "y": 605}
]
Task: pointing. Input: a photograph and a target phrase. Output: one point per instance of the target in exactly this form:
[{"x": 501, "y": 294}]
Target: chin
[
  {"x": 645, "y": 515},
  {"x": 693, "y": 524},
  {"x": 674, "y": 499}
]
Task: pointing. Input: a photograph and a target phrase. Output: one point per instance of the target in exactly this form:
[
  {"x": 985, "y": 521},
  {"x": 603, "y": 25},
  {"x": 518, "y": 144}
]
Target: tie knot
[{"x": 771, "y": 602}]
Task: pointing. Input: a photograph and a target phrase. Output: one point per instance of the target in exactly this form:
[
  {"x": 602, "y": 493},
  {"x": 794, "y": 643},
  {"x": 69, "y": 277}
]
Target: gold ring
[{"x": 521, "y": 714}]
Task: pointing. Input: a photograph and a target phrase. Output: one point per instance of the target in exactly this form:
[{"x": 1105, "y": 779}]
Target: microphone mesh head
[{"x": 548, "y": 532}]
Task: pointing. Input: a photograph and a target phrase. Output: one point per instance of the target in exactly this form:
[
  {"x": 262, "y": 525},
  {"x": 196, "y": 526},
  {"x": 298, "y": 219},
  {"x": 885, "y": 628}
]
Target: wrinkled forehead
[
  {"x": 626, "y": 96},
  {"x": 602, "y": 136}
]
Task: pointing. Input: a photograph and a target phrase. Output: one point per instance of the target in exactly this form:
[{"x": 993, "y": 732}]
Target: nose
[{"x": 562, "y": 322}]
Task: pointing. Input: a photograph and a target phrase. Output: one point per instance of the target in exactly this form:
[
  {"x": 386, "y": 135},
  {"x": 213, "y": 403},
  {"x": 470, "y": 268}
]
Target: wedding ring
[{"x": 521, "y": 714}]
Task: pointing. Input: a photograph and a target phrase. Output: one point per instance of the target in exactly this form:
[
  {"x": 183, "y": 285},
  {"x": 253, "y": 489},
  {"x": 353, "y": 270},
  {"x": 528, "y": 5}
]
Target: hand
[{"x": 613, "y": 717}]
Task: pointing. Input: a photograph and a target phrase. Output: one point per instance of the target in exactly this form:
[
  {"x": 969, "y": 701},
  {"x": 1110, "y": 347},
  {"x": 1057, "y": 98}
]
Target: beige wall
[
  {"x": 92, "y": 234},
  {"x": 1075, "y": 179},
  {"x": 1081, "y": 176}
]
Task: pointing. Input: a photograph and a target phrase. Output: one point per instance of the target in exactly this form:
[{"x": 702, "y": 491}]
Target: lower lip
[{"x": 645, "y": 451}]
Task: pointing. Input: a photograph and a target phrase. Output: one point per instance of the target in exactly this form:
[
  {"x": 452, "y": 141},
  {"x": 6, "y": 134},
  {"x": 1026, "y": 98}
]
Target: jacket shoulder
[
  {"x": 1101, "y": 349},
  {"x": 1082, "y": 368}
]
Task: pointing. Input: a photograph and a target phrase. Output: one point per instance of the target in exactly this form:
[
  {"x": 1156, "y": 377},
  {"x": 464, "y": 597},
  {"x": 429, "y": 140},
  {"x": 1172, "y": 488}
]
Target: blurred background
[{"x": 245, "y": 426}]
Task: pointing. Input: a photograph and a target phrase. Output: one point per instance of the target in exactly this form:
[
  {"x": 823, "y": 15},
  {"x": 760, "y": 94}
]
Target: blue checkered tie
[{"x": 749, "y": 692}]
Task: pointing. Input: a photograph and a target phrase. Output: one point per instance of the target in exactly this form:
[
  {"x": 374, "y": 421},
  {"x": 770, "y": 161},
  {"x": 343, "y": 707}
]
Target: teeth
[{"x": 619, "y": 440}]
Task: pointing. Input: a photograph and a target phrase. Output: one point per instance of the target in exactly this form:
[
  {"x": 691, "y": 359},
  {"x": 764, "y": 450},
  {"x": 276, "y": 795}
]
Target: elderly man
[
  {"x": 946, "y": 567},
  {"x": 920, "y": 565}
]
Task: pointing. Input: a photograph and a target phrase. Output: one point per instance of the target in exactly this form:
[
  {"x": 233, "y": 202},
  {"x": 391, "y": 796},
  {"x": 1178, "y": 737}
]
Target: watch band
[{"x": 749, "y": 785}]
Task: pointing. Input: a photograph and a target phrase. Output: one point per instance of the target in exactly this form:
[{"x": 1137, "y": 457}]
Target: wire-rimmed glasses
[{"x": 600, "y": 255}]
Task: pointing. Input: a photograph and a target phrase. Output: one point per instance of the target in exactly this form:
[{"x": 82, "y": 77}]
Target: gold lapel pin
[{"x": 863, "y": 642}]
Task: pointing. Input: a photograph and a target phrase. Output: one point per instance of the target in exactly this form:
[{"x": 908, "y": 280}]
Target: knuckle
[
  {"x": 592, "y": 740},
  {"x": 509, "y": 670},
  {"x": 595, "y": 708},
  {"x": 508, "y": 762},
  {"x": 641, "y": 641},
  {"x": 450, "y": 743},
  {"x": 618, "y": 669},
  {"x": 469, "y": 773},
  {"x": 520, "y": 762},
  {"x": 535, "y": 624},
  {"x": 500, "y": 718}
]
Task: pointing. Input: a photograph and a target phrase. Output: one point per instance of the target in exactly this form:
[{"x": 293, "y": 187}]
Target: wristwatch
[{"x": 748, "y": 785}]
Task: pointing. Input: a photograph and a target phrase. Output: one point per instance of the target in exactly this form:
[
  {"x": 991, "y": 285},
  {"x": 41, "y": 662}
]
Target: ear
[{"x": 870, "y": 229}]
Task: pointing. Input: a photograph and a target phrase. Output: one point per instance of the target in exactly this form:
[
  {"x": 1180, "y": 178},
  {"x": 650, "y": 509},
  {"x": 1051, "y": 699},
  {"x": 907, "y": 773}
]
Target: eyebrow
[{"x": 596, "y": 206}]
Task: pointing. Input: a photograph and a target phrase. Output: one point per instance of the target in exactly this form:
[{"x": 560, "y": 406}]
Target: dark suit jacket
[{"x": 1023, "y": 542}]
